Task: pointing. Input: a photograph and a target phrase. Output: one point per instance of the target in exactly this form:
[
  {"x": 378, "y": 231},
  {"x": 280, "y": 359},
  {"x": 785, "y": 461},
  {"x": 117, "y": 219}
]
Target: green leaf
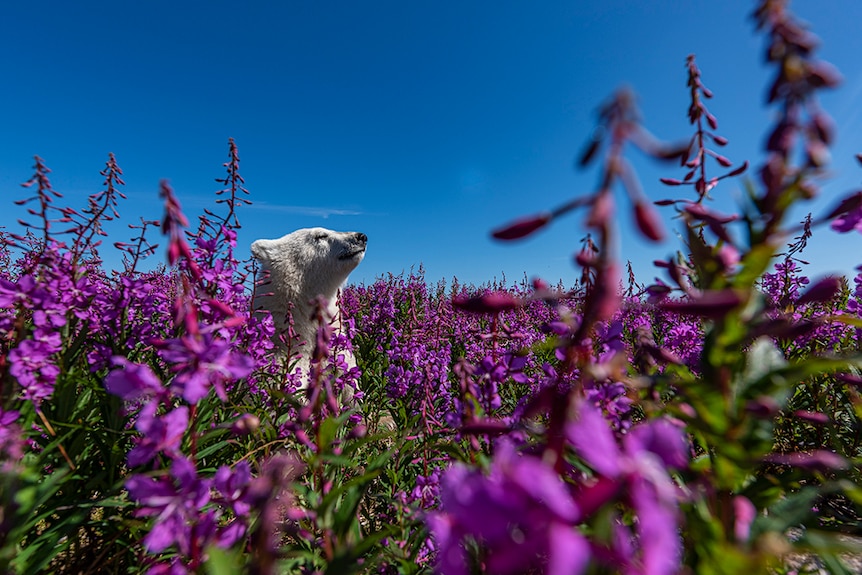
[{"x": 223, "y": 561}]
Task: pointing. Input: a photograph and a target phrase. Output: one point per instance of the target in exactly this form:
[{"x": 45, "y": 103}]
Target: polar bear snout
[{"x": 357, "y": 242}]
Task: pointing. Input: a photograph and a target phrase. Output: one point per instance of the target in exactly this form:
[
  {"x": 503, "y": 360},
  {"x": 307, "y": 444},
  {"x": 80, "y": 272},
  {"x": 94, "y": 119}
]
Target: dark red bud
[
  {"x": 719, "y": 140},
  {"x": 848, "y": 204},
  {"x": 657, "y": 292},
  {"x": 539, "y": 284},
  {"x": 602, "y": 212},
  {"x": 589, "y": 152},
  {"x": 781, "y": 138},
  {"x": 823, "y": 75},
  {"x": 245, "y": 424},
  {"x": 521, "y": 228},
  {"x": 671, "y": 152},
  {"x": 823, "y": 290},
  {"x": 670, "y": 181},
  {"x": 713, "y": 123},
  {"x": 812, "y": 416},
  {"x": 700, "y": 212},
  {"x": 823, "y": 127},
  {"x": 763, "y": 406},
  {"x": 819, "y": 459},
  {"x": 485, "y": 427},
  {"x": 738, "y": 170},
  {"x": 222, "y": 307},
  {"x": 849, "y": 379},
  {"x": 818, "y": 153},
  {"x": 492, "y": 302},
  {"x": 711, "y": 304},
  {"x": 859, "y": 158},
  {"x": 723, "y": 161},
  {"x": 648, "y": 221},
  {"x": 586, "y": 259}
]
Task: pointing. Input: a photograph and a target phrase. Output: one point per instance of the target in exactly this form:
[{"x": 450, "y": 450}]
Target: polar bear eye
[{"x": 320, "y": 237}]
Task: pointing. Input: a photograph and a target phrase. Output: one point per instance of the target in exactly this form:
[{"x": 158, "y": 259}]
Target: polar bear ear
[{"x": 260, "y": 250}]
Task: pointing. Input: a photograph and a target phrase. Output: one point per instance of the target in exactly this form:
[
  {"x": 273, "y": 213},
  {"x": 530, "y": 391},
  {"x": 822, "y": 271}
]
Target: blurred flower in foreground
[
  {"x": 637, "y": 470},
  {"x": 521, "y": 513}
]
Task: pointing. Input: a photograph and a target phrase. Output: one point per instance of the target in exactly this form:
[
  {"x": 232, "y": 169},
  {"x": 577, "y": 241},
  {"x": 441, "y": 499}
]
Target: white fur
[{"x": 297, "y": 268}]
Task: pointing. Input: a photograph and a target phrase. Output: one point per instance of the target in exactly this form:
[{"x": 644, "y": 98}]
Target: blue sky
[{"x": 423, "y": 124}]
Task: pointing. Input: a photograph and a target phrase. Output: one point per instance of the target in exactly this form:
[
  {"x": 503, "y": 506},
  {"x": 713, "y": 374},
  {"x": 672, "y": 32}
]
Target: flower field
[{"x": 706, "y": 424}]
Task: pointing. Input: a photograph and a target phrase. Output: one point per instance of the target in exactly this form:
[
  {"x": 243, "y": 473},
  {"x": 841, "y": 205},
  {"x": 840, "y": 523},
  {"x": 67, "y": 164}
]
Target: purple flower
[
  {"x": 201, "y": 361},
  {"x": 177, "y": 502},
  {"x": 848, "y": 221},
  {"x": 159, "y": 434},
  {"x": 133, "y": 381},
  {"x": 638, "y": 469},
  {"x": 521, "y": 513},
  {"x": 32, "y": 364},
  {"x": 11, "y": 442},
  {"x": 233, "y": 485}
]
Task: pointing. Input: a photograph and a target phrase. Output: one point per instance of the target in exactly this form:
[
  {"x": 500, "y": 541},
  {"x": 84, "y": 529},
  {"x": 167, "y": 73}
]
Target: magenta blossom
[
  {"x": 202, "y": 361},
  {"x": 521, "y": 513},
  {"x": 159, "y": 433},
  {"x": 638, "y": 469},
  {"x": 133, "y": 381}
]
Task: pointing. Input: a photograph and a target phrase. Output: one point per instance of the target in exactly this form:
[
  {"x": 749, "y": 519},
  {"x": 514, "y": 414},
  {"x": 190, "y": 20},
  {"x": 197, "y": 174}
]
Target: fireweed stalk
[{"x": 550, "y": 541}]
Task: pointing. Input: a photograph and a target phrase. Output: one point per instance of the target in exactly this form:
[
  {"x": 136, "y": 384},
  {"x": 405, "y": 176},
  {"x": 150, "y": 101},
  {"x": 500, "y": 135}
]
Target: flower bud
[
  {"x": 603, "y": 209},
  {"x": 493, "y": 302},
  {"x": 738, "y": 170},
  {"x": 521, "y": 228},
  {"x": 648, "y": 221},
  {"x": 823, "y": 290},
  {"x": 710, "y": 304},
  {"x": 245, "y": 424},
  {"x": 539, "y": 284},
  {"x": 816, "y": 417},
  {"x": 723, "y": 161},
  {"x": 712, "y": 121}
]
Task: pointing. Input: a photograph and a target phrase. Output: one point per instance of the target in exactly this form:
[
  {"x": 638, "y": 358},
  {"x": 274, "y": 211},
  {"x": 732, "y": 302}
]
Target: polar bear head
[
  {"x": 302, "y": 265},
  {"x": 309, "y": 262}
]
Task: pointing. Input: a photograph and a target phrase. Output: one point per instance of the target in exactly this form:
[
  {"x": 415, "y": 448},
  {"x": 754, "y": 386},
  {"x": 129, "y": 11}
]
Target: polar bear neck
[{"x": 300, "y": 302}]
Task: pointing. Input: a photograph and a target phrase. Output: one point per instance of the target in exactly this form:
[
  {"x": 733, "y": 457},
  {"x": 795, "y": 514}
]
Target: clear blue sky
[{"x": 423, "y": 124}]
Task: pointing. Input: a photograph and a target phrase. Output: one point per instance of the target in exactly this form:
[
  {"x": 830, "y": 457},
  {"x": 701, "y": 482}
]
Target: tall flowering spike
[
  {"x": 101, "y": 207},
  {"x": 801, "y": 126},
  {"x": 139, "y": 248},
  {"x": 234, "y": 186},
  {"x": 694, "y": 159},
  {"x": 172, "y": 226},
  {"x": 45, "y": 195}
]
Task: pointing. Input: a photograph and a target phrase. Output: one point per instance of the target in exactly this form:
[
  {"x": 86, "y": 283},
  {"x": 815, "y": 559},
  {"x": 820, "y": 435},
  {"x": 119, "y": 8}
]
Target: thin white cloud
[{"x": 321, "y": 212}]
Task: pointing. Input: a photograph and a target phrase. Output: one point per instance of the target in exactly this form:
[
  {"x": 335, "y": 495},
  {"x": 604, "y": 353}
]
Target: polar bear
[{"x": 299, "y": 267}]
